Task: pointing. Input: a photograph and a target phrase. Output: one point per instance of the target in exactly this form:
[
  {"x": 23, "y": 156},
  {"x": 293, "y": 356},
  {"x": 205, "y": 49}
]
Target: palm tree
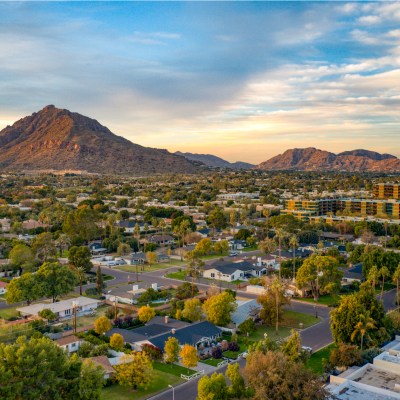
[
  {"x": 181, "y": 230},
  {"x": 293, "y": 243},
  {"x": 81, "y": 274},
  {"x": 384, "y": 273},
  {"x": 280, "y": 234},
  {"x": 373, "y": 275},
  {"x": 266, "y": 215},
  {"x": 365, "y": 324},
  {"x": 278, "y": 291},
  {"x": 63, "y": 240},
  {"x": 195, "y": 267},
  {"x": 396, "y": 279}
]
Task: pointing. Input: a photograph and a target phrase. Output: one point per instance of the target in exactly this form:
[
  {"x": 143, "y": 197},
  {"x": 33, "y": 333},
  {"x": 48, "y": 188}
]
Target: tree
[
  {"x": 237, "y": 388},
  {"x": 384, "y": 273},
  {"x": 273, "y": 376},
  {"x": 56, "y": 279},
  {"x": 195, "y": 267},
  {"x": 26, "y": 363},
  {"x": 204, "y": 247},
  {"x": 62, "y": 241},
  {"x": 346, "y": 316},
  {"x": 192, "y": 310},
  {"x": 346, "y": 355},
  {"x": 272, "y": 301},
  {"x": 22, "y": 257},
  {"x": 396, "y": 280},
  {"x": 219, "y": 308},
  {"x": 217, "y": 219},
  {"x": 267, "y": 246},
  {"x": 146, "y": 313},
  {"x": 151, "y": 258},
  {"x": 124, "y": 249},
  {"x": 186, "y": 290},
  {"x": 81, "y": 225},
  {"x": 25, "y": 288},
  {"x": 293, "y": 243},
  {"x": 321, "y": 274},
  {"x": 247, "y": 327},
  {"x": 100, "y": 285},
  {"x": 102, "y": 325},
  {"x": 363, "y": 326},
  {"x": 280, "y": 234},
  {"x": 44, "y": 247},
  {"x": 291, "y": 347},
  {"x": 116, "y": 341},
  {"x": 47, "y": 314},
  {"x": 181, "y": 230},
  {"x": 189, "y": 356},
  {"x": 79, "y": 260},
  {"x": 373, "y": 275},
  {"x": 171, "y": 350},
  {"x": 212, "y": 388},
  {"x": 135, "y": 371}
]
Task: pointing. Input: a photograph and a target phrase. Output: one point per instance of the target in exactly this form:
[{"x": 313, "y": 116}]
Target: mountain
[
  {"x": 312, "y": 159},
  {"x": 58, "y": 139},
  {"x": 214, "y": 162}
]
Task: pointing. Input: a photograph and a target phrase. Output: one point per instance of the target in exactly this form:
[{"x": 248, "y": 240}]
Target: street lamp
[{"x": 173, "y": 392}]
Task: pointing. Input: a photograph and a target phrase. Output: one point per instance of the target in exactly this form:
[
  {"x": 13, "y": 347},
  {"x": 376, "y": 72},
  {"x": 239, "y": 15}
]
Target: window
[
  {"x": 212, "y": 275},
  {"x": 67, "y": 312}
]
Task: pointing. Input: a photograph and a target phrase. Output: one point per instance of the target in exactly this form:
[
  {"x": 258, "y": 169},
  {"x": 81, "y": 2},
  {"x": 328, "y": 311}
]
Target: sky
[{"x": 241, "y": 80}]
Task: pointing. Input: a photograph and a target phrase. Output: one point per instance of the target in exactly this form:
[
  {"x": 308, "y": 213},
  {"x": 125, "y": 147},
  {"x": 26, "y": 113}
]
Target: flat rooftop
[
  {"x": 350, "y": 391},
  {"x": 377, "y": 377}
]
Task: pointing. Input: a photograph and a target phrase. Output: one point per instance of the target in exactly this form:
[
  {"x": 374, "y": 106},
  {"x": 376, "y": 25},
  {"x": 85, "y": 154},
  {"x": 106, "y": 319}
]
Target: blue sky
[{"x": 242, "y": 80}]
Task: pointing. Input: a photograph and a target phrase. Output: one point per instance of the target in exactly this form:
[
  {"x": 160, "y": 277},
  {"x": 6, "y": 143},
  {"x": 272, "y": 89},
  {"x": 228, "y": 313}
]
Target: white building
[
  {"x": 64, "y": 308},
  {"x": 377, "y": 381},
  {"x": 70, "y": 343}
]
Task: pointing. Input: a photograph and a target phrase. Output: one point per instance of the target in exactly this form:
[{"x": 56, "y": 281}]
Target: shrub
[
  {"x": 233, "y": 346},
  {"x": 216, "y": 352},
  {"x": 153, "y": 352},
  {"x": 91, "y": 292}
]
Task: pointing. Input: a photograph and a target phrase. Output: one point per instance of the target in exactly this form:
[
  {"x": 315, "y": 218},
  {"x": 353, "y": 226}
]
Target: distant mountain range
[
  {"x": 215, "y": 162},
  {"x": 58, "y": 139},
  {"x": 312, "y": 159}
]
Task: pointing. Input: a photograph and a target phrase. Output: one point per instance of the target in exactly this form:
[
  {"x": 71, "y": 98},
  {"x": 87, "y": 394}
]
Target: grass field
[
  {"x": 160, "y": 381},
  {"x": 234, "y": 354},
  {"x": 293, "y": 319},
  {"x": 7, "y": 313},
  {"x": 173, "y": 369},
  {"x": 177, "y": 275},
  {"x": 315, "y": 361},
  {"x": 153, "y": 267},
  {"x": 211, "y": 361}
]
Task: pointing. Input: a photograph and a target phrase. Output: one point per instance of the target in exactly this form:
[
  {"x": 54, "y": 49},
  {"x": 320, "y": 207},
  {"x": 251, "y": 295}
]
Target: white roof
[{"x": 59, "y": 306}]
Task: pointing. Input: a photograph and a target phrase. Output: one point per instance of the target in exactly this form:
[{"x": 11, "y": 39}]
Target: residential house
[
  {"x": 64, "y": 308},
  {"x": 104, "y": 363},
  {"x": 161, "y": 240},
  {"x": 5, "y": 225},
  {"x": 69, "y": 343},
  {"x": 96, "y": 248},
  {"x": 32, "y": 224},
  {"x": 245, "y": 310},
  {"x": 231, "y": 271},
  {"x": 3, "y": 287},
  {"x": 353, "y": 274}
]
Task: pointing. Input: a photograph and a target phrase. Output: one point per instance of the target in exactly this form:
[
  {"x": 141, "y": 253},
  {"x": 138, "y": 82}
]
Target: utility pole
[{"x": 74, "y": 304}]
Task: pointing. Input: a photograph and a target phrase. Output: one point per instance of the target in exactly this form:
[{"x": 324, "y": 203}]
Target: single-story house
[
  {"x": 5, "y": 225},
  {"x": 236, "y": 244},
  {"x": 33, "y": 224},
  {"x": 129, "y": 225},
  {"x": 104, "y": 363},
  {"x": 231, "y": 271},
  {"x": 204, "y": 233},
  {"x": 3, "y": 287},
  {"x": 353, "y": 274},
  {"x": 245, "y": 310},
  {"x": 69, "y": 343},
  {"x": 161, "y": 239},
  {"x": 64, "y": 308},
  {"x": 137, "y": 258},
  {"x": 97, "y": 249}
]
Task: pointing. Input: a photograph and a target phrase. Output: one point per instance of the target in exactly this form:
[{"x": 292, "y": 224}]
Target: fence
[
  {"x": 190, "y": 377},
  {"x": 224, "y": 362}
]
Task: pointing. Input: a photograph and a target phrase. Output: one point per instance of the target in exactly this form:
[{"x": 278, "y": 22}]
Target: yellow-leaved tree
[
  {"x": 116, "y": 341},
  {"x": 189, "y": 356},
  {"x": 102, "y": 325},
  {"x": 146, "y": 313},
  {"x": 135, "y": 371},
  {"x": 171, "y": 350}
]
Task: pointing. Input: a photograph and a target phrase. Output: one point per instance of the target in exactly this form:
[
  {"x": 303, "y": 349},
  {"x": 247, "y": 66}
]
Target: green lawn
[
  {"x": 160, "y": 381},
  {"x": 293, "y": 319},
  {"x": 173, "y": 369},
  {"x": 153, "y": 267},
  {"x": 177, "y": 275},
  {"x": 212, "y": 361},
  {"x": 7, "y": 313},
  {"x": 326, "y": 300},
  {"x": 283, "y": 332},
  {"x": 315, "y": 361},
  {"x": 234, "y": 354}
]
